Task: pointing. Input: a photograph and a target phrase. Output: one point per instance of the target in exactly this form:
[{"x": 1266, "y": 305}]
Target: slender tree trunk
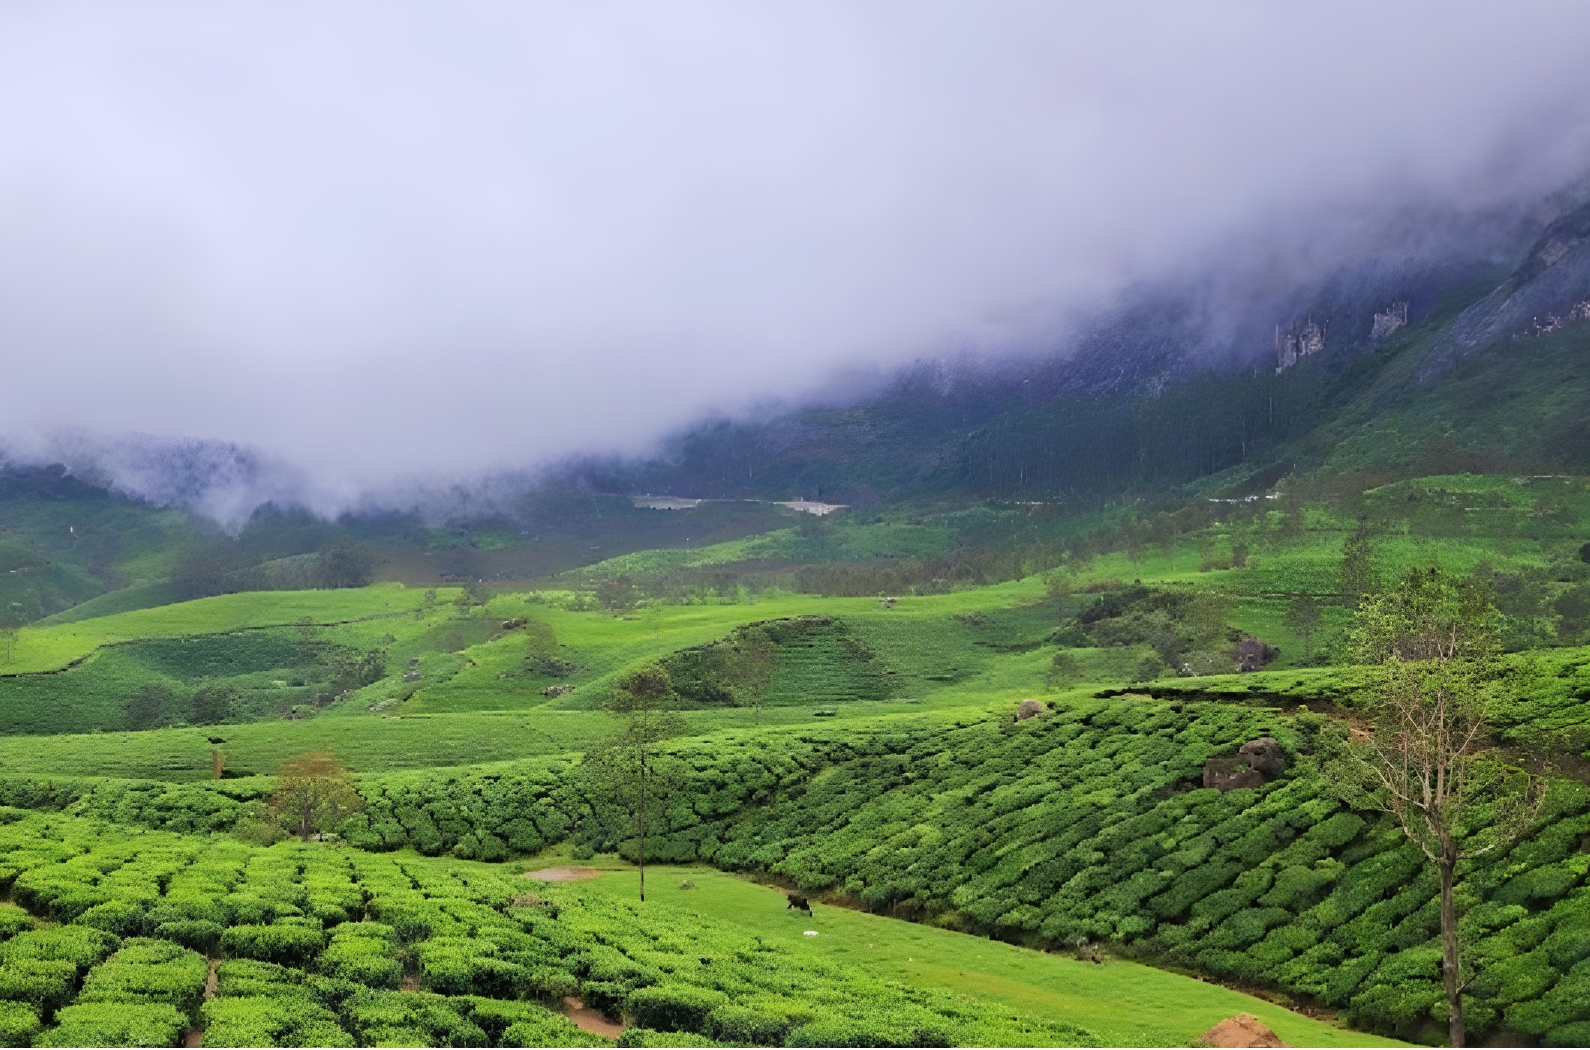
[
  {"x": 1450, "y": 973},
  {"x": 641, "y": 811}
]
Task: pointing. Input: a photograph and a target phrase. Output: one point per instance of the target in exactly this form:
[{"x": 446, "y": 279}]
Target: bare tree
[
  {"x": 749, "y": 667},
  {"x": 1425, "y": 760},
  {"x": 626, "y": 771}
]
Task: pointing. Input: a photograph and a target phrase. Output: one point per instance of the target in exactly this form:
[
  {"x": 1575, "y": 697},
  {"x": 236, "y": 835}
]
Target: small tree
[
  {"x": 10, "y": 626},
  {"x": 147, "y": 705},
  {"x": 212, "y": 703},
  {"x": 313, "y": 794},
  {"x": 617, "y": 594},
  {"x": 625, "y": 771},
  {"x": 1303, "y": 616},
  {"x": 749, "y": 668},
  {"x": 1425, "y": 762},
  {"x": 344, "y": 566}
]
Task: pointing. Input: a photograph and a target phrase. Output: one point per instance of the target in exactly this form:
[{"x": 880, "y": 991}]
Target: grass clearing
[{"x": 1123, "y": 1003}]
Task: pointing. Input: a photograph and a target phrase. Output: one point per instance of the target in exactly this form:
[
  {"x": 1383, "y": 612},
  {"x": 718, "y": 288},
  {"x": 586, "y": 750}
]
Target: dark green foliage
[
  {"x": 345, "y": 566},
  {"x": 148, "y": 705},
  {"x": 815, "y": 659},
  {"x": 212, "y": 703}
]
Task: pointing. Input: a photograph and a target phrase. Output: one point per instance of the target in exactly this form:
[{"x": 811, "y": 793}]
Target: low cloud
[{"x": 388, "y": 241}]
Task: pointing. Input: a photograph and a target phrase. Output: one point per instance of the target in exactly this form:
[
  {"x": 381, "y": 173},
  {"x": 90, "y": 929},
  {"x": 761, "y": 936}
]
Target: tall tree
[
  {"x": 1358, "y": 579},
  {"x": 626, "y": 771},
  {"x": 1302, "y": 615},
  {"x": 1425, "y": 761},
  {"x": 11, "y": 621},
  {"x": 313, "y": 794},
  {"x": 749, "y": 668}
]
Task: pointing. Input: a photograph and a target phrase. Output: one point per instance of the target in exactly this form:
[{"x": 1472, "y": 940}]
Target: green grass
[
  {"x": 1124, "y": 1003},
  {"x": 53, "y": 648}
]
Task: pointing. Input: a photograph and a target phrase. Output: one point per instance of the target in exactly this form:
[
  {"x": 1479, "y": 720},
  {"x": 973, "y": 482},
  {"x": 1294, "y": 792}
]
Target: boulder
[
  {"x": 516, "y": 622},
  {"x": 1029, "y": 708},
  {"x": 1252, "y": 654},
  {"x": 1254, "y": 763},
  {"x": 1265, "y": 756},
  {"x": 1241, "y": 1030},
  {"x": 1229, "y": 771}
]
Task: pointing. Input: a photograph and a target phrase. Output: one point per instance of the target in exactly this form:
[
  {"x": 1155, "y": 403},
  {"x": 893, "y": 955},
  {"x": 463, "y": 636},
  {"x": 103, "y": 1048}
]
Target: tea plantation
[{"x": 880, "y": 772}]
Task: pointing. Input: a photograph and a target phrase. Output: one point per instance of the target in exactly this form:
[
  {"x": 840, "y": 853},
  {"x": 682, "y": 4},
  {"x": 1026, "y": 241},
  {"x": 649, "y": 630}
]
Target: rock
[
  {"x": 1229, "y": 772},
  {"x": 1252, "y": 654},
  {"x": 517, "y": 621},
  {"x": 1265, "y": 756},
  {"x": 1029, "y": 708},
  {"x": 1241, "y": 1030}
]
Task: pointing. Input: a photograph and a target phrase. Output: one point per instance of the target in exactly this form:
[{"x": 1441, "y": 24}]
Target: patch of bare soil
[
  {"x": 1241, "y": 1030},
  {"x": 410, "y": 983},
  {"x": 563, "y": 874},
  {"x": 590, "y": 1020},
  {"x": 192, "y": 1037}
]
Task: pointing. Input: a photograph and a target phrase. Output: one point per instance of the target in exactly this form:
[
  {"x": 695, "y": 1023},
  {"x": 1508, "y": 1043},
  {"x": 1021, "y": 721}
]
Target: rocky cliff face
[{"x": 1549, "y": 289}]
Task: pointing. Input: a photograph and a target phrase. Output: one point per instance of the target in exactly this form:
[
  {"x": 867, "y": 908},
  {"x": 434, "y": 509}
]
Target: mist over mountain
[
  {"x": 1253, "y": 308},
  {"x": 388, "y": 249}
]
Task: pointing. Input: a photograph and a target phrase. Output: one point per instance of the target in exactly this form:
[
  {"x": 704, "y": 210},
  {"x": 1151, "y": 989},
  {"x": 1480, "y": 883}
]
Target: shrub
[
  {"x": 674, "y": 1007},
  {"x": 150, "y": 970},
  {"x": 271, "y": 1021},
  {"x": 83, "y": 946},
  {"x": 45, "y": 983},
  {"x": 13, "y": 920},
  {"x": 741, "y": 1024},
  {"x": 115, "y": 1024},
  {"x": 363, "y": 960},
  {"x": 199, "y": 934},
  {"x": 650, "y": 1037},
  {"x": 19, "y": 1023},
  {"x": 409, "y": 1019},
  {"x": 525, "y": 1024},
  {"x": 277, "y": 943},
  {"x": 124, "y": 918}
]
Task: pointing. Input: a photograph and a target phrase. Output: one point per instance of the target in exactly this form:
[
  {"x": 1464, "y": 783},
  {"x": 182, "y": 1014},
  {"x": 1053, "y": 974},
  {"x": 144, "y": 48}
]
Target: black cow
[{"x": 799, "y": 903}]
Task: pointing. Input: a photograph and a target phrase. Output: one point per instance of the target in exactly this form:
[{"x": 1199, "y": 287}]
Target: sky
[{"x": 385, "y": 240}]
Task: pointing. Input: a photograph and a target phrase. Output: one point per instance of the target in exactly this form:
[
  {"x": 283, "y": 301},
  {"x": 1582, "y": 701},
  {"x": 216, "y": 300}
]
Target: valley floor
[{"x": 1123, "y": 1003}]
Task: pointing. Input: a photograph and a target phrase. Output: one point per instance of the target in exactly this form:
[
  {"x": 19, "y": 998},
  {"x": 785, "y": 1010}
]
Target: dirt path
[
  {"x": 563, "y": 874},
  {"x": 590, "y": 1020}
]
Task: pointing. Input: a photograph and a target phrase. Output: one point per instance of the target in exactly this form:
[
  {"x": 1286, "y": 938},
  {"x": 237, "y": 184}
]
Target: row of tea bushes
[
  {"x": 321, "y": 945},
  {"x": 1085, "y": 824}
]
